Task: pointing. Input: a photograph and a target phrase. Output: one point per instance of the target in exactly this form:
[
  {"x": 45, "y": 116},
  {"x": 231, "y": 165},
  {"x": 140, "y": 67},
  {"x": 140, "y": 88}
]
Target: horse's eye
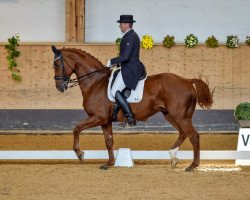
[{"x": 56, "y": 65}]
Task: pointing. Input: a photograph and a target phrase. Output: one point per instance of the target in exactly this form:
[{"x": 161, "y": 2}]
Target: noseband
[
  {"x": 61, "y": 65},
  {"x": 66, "y": 80}
]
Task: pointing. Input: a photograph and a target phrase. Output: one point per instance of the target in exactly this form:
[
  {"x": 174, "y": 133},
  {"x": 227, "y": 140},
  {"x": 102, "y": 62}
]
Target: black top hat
[{"x": 126, "y": 19}]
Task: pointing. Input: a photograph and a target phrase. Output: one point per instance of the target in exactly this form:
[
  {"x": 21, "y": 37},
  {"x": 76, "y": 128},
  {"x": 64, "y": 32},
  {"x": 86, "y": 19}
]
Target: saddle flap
[
  {"x": 133, "y": 96},
  {"x": 126, "y": 92}
]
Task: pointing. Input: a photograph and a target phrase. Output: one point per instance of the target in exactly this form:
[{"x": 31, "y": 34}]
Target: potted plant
[
  {"x": 247, "y": 40},
  {"x": 168, "y": 41},
  {"x": 232, "y": 41},
  {"x": 13, "y": 53},
  {"x": 242, "y": 114},
  {"x": 118, "y": 44},
  {"x": 191, "y": 41},
  {"x": 147, "y": 42},
  {"x": 212, "y": 42}
]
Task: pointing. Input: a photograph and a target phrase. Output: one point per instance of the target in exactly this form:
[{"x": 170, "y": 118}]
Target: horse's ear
[{"x": 54, "y": 49}]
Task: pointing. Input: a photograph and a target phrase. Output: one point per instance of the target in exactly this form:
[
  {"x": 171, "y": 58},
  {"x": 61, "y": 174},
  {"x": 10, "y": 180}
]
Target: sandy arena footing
[{"x": 59, "y": 180}]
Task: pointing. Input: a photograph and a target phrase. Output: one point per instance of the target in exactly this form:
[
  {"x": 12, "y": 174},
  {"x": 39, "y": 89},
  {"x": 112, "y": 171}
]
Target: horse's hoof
[
  {"x": 189, "y": 169},
  {"x": 174, "y": 162},
  {"x": 104, "y": 167},
  {"x": 81, "y": 156}
]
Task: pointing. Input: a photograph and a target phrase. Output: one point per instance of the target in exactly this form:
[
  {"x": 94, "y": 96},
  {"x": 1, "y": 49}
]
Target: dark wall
[{"x": 211, "y": 120}]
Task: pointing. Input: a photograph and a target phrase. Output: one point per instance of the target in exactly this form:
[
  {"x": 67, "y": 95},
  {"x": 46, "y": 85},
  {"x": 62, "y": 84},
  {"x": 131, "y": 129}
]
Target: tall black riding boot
[{"x": 121, "y": 100}]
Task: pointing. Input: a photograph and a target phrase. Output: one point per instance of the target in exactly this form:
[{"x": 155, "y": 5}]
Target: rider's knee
[{"x": 113, "y": 92}]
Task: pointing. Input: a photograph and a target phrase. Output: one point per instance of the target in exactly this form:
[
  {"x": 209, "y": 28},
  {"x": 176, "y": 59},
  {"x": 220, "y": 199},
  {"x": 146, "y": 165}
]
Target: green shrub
[
  {"x": 13, "y": 53},
  {"x": 212, "y": 42},
  {"x": 242, "y": 111},
  {"x": 168, "y": 41},
  {"x": 232, "y": 41},
  {"x": 191, "y": 41},
  {"x": 247, "y": 40},
  {"x": 118, "y": 44}
]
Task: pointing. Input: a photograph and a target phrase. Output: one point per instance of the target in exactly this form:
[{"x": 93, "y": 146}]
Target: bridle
[{"x": 65, "y": 79}]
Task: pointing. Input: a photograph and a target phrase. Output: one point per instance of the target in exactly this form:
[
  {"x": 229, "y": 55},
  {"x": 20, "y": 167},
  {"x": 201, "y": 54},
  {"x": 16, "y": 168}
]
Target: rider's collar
[{"x": 127, "y": 31}]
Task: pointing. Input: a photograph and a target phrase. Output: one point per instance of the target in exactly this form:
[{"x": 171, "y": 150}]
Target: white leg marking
[{"x": 173, "y": 152}]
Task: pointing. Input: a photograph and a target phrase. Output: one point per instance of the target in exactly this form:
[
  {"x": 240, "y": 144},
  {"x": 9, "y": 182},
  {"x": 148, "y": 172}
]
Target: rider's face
[{"x": 124, "y": 27}]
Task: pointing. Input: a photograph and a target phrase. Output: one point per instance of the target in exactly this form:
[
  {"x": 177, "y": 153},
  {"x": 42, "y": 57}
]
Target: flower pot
[{"x": 244, "y": 123}]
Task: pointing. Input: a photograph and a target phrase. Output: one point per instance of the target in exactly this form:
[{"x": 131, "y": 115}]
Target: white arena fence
[
  {"x": 135, "y": 154},
  {"x": 125, "y": 156}
]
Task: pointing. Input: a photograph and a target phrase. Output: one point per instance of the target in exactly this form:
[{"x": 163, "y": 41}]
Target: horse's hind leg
[
  {"x": 187, "y": 127},
  {"x": 177, "y": 144},
  {"x": 175, "y": 148}
]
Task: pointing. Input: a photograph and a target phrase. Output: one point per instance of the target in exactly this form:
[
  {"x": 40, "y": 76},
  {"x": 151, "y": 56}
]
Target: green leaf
[{"x": 16, "y": 77}]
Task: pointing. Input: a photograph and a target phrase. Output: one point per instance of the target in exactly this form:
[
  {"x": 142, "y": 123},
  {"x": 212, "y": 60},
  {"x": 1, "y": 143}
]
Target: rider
[{"x": 132, "y": 68}]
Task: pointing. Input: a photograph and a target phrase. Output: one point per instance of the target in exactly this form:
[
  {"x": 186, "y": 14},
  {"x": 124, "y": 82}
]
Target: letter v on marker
[{"x": 245, "y": 141}]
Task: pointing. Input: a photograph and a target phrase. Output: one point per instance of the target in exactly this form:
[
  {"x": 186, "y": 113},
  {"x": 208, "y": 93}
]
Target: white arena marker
[
  {"x": 243, "y": 145},
  {"x": 219, "y": 169},
  {"x": 124, "y": 158}
]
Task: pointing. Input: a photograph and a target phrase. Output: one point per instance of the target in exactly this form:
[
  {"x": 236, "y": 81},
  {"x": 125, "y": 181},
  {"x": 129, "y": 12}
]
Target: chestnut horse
[{"x": 174, "y": 96}]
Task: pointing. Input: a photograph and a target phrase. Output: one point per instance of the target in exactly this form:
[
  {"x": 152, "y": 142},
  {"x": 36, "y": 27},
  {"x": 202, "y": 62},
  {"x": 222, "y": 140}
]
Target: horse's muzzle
[{"x": 62, "y": 87}]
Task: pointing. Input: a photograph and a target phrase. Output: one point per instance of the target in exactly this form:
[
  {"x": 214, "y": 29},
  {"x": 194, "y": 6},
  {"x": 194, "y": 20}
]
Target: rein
[
  {"x": 66, "y": 80},
  {"x": 76, "y": 81}
]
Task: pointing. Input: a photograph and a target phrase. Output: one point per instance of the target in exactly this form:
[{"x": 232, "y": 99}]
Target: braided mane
[{"x": 85, "y": 54}]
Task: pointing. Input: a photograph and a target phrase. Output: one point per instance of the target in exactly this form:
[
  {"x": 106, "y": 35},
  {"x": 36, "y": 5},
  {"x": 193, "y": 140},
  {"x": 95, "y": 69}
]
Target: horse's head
[
  {"x": 68, "y": 61},
  {"x": 63, "y": 69}
]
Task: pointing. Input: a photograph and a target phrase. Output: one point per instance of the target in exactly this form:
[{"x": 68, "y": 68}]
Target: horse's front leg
[
  {"x": 108, "y": 135},
  {"x": 88, "y": 123}
]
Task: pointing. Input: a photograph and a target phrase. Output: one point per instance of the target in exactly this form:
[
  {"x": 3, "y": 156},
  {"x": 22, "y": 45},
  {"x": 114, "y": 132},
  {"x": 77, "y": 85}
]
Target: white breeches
[{"x": 118, "y": 84}]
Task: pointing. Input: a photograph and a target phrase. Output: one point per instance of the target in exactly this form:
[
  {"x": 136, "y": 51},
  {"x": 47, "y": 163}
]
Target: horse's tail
[{"x": 204, "y": 96}]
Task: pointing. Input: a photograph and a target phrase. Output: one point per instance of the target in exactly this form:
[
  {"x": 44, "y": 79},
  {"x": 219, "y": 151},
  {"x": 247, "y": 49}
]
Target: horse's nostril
[{"x": 60, "y": 88}]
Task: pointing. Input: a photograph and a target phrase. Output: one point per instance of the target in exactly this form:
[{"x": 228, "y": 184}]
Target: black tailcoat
[{"x": 131, "y": 66}]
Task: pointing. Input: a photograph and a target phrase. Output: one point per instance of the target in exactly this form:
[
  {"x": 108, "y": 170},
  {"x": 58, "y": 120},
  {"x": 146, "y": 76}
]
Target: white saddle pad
[{"x": 135, "y": 96}]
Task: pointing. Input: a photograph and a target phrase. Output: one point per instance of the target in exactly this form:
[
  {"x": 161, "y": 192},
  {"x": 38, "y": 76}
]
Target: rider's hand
[{"x": 108, "y": 64}]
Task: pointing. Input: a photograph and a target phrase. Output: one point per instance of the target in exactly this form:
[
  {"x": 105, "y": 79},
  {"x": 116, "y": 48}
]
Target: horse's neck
[
  {"x": 87, "y": 63},
  {"x": 83, "y": 69},
  {"x": 95, "y": 82},
  {"x": 89, "y": 70},
  {"x": 89, "y": 73}
]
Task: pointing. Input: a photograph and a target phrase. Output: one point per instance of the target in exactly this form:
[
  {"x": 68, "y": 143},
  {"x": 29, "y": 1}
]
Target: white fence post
[
  {"x": 243, "y": 145},
  {"x": 124, "y": 158}
]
